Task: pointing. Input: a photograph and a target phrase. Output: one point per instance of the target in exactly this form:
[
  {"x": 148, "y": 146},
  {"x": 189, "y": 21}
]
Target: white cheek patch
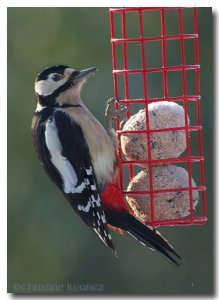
[
  {"x": 67, "y": 172},
  {"x": 48, "y": 86}
]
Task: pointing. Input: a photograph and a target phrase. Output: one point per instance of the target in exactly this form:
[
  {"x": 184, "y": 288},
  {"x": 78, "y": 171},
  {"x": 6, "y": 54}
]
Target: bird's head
[{"x": 60, "y": 85}]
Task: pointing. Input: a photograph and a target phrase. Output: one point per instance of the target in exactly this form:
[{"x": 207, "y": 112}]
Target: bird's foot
[{"x": 111, "y": 113}]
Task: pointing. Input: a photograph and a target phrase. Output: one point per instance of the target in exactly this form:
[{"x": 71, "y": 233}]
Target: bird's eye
[{"x": 56, "y": 77}]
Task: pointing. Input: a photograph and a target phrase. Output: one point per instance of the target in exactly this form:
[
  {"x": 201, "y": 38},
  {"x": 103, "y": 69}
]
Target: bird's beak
[{"x": 85, "y": 73}]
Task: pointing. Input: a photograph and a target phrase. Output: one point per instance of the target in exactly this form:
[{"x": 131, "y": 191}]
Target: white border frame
[{"x": 3, "y": 98}]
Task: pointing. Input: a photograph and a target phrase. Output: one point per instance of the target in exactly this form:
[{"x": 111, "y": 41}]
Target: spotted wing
[{"x": 69, "y": 153}]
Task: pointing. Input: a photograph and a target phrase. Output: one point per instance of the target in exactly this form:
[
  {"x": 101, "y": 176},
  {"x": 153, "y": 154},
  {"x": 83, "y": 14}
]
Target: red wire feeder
[{"x": 124, "y": 40}]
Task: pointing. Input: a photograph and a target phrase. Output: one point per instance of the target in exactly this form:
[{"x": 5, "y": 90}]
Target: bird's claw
[{"x": 111, "y": 113}]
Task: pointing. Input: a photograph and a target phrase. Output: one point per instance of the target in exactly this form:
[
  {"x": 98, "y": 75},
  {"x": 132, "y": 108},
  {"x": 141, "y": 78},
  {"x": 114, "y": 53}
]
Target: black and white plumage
[
  {"x": 81, "y": 158},
  {"x": 64, "y": 155}
]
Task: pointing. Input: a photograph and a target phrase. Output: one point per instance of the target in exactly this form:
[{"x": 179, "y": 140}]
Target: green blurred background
[{"x": 47, "y": 243}]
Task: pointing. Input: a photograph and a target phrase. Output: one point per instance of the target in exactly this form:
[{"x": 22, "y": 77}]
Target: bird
[{"x": 81, "y": 157}]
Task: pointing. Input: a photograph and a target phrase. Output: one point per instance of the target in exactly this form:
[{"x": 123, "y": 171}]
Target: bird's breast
[{"x": 101, "y": 146}]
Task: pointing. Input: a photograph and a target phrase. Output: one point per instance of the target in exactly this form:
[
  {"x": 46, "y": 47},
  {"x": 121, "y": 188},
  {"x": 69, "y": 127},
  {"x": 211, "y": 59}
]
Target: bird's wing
[{"x": 69, "y": 153}]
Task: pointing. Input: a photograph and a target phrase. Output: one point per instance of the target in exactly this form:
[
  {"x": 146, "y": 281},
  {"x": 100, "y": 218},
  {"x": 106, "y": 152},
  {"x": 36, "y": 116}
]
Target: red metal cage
[{"x": 129, "y": 26}]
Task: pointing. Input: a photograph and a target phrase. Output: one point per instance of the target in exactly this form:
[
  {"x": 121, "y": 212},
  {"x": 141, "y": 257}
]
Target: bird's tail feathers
[
  {"x": 151, "y": 238},
  {"x": 107, "y": 240}
]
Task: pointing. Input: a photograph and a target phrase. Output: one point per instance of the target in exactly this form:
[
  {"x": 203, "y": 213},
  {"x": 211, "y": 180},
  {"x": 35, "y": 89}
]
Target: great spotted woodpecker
[{"x": 80, "y": 157}]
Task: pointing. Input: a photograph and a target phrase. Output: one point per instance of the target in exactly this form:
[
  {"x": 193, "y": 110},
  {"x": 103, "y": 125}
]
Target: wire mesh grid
[{"x": 154, "y": 30}]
